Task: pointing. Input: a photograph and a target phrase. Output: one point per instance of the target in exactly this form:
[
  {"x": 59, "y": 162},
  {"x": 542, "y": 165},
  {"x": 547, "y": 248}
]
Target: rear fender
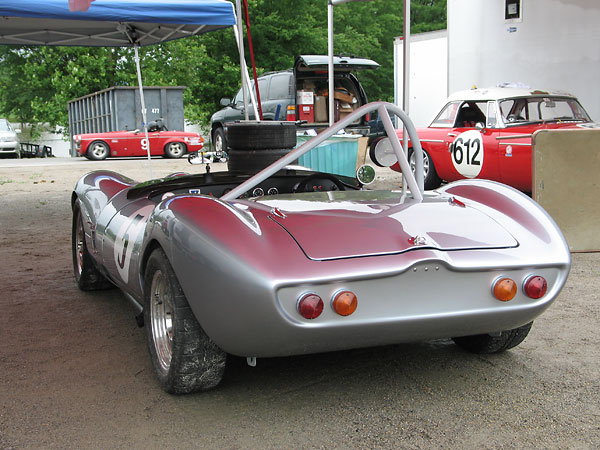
[
  {"x": 529, "y": 223},
  {"x": 219, "y": 252}
]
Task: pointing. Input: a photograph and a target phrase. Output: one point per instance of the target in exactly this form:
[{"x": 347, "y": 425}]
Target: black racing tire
[
  {"x": 487, "y": 343},
  {"x": 87, "y": 275},
  {"x": 219, "y": 141},
  {"x": 185, "y": 359},
  {"x": 98, "y": 150},
  {"x": 431, "y": 179},
  {"x": 253, "y": 161},
  {"x": 175, "y": 150},
  {"x": 261, "y": 135}
]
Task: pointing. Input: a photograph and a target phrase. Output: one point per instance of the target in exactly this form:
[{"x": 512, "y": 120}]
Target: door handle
[{"x": 452, "y": 135}]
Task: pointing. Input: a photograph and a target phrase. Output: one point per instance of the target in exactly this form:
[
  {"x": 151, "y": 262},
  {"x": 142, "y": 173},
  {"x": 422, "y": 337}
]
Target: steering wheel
[
  {"x": 514, "y": 118},
  {"x": 320, "y": 182}
]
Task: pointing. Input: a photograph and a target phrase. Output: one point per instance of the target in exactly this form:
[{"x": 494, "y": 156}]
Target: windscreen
[{"x": 542, "y": 109}]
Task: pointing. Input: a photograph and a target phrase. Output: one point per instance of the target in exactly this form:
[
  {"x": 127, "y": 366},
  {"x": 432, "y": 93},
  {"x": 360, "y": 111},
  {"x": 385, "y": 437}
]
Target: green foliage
[{"x": 37, "y": 82}]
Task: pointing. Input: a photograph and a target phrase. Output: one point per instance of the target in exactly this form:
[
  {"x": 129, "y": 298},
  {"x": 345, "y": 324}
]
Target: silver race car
[{"x": 290, "y": 261}]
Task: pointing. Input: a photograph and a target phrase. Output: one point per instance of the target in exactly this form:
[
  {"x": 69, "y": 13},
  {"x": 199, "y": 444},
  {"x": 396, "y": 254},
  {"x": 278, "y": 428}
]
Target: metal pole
[
  {"x": 245, "y": 76},
  {"x": 143, "y": 104},
  {"x": 330, "y": 73},
  {"x": 238, "y": 6},
  {"x": 406, "y": 88}
]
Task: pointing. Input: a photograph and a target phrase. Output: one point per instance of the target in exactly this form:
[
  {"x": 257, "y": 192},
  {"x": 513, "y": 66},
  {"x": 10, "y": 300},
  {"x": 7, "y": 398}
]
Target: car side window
[
  {"x": 492, "y": 116},
  {"x": 470, "y": 114},
  {"x": 263, "y": 87},
  {"x": 280, "y": 86},
  {"x": 446, "y": 117}
]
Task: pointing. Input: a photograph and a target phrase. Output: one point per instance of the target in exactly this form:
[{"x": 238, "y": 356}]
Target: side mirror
[
  {"x": 383, "y": 153},
  {"x": 225, "y": 101},
  {"x": 365, "y": 174},
  {"x": 136, "y": 131},
  {"x": 480, "y": 126}
]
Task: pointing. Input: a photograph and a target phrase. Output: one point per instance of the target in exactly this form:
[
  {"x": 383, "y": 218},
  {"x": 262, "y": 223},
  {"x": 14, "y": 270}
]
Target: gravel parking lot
[{"x": 75, "y": 372}]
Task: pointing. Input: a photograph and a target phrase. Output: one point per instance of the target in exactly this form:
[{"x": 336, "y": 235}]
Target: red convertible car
[
  {"x": 171, "y": 144},
  {"x": 486, "y": 133}
]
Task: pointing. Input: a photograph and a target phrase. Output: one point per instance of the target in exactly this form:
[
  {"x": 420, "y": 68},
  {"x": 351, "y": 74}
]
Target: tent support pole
[{"x": 143, "y": 103}]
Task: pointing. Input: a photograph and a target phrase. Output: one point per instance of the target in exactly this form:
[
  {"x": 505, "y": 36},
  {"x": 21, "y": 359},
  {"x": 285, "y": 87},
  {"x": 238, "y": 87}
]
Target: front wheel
[
  {"x": 431, "y": 180},
  {"x": 494, "y": 343},
  {"x": 175, "y": 149},
  {"x": 219, "y": 141},
  {"x": 98, "y": 150},
  {"x": 87, "y": 276},
  {"x": 185, "y": 359}
]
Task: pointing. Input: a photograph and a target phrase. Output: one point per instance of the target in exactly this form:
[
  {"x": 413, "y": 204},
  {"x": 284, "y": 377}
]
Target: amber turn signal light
[
  {"x": 504, "y": 289},
  {"x": 344, "y": 303}
]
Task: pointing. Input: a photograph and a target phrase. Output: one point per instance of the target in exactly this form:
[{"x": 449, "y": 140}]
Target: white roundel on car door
[{"x": 467, "y": 153}]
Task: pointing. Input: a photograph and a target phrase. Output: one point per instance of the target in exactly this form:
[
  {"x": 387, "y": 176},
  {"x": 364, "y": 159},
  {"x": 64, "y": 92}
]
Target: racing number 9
[
  {"x": 469, "y": 149},
  {"x": 145, "y": 145}
]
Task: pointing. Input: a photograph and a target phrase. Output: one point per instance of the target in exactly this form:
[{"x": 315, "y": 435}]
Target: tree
[{"x": 43, "y": 79}]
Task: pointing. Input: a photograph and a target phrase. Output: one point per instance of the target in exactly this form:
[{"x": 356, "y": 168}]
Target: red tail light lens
[
  {"x": 504, "y": 289},
  {"x": 344, "y": 303},
  {"x": 536, "y": 287},
  {"x": 310, "y": 306}
]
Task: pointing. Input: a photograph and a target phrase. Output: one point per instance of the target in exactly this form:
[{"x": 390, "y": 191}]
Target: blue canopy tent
[{"x": 110, "y": 23}]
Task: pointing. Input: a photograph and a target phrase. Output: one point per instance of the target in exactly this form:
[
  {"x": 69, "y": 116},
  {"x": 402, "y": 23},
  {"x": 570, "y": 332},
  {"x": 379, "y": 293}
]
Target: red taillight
[
  {"x": 368, "y": 116},
  {"x": 310, "y": 306},
  {"x": 535, "y": 287},
  {"x": 344, "y": 303},
  {"x": 504, "y": 289},
  {"x": 291, "y": 113}
]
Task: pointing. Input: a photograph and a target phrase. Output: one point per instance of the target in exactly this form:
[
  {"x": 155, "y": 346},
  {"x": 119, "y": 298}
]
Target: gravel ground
[{"x": 75, "y": 372}]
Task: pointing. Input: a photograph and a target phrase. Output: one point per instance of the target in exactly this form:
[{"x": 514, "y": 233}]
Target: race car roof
[
  {"x": 113, "y": 23},
  {"x": 498, "y": 93}
]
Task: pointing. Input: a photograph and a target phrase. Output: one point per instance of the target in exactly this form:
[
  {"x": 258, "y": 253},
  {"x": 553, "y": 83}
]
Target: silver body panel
[{"x": 243, "y": 268}]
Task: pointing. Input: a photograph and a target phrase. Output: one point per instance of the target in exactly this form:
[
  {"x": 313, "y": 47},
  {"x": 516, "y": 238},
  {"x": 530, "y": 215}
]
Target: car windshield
[
  {"x": 4, "y": 125},
  {"x": 542, "y": 109}
]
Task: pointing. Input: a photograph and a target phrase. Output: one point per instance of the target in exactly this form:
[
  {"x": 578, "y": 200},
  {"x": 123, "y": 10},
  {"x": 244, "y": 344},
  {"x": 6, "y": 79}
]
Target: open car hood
[{"x": 339, "y": 228}]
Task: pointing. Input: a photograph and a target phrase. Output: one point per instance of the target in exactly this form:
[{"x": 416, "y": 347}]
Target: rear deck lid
[{"x": 348, "y": 229}]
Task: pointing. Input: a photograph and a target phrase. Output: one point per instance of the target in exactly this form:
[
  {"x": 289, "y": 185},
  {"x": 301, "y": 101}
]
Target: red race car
[
  {"x": 486, "y": 133},
  {"x": 171, "y": 144}
]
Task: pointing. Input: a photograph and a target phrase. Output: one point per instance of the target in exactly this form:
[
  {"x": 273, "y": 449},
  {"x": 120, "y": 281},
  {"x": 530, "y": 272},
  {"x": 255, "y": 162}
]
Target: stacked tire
[{"x": 252, "y": 146}]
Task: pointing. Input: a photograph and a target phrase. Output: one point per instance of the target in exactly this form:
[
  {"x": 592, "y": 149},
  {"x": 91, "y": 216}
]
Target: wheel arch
[
  {"x": 172, "y": 140},
  {"x": 152, "y": 245}
]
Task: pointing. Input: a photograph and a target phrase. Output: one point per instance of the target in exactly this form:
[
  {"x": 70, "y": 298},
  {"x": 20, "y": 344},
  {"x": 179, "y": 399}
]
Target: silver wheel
[
  {"x": 98, "y": 150},
  {"x": 413, "y": 163},
  {"x": 87, "y": 275},
  {"x": 175, "y": 149},
  {"x": 183, "y": 356},
  {"x": 161, "y": 314},
  {"x": 79, "y": 245},
  {"x": 218, "y": 143}
]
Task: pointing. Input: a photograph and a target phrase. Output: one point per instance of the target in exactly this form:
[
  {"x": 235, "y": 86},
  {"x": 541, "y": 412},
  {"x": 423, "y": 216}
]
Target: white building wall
[
  {"x": 428, "y": 75},
  {"x": 555, "y": 45}
]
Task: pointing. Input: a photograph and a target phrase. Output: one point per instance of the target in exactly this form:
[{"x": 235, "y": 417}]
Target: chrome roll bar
[{"x": 414, "y": 181}]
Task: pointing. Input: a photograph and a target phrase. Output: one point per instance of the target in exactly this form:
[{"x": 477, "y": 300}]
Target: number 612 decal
[{"x": 467, "y": 153}]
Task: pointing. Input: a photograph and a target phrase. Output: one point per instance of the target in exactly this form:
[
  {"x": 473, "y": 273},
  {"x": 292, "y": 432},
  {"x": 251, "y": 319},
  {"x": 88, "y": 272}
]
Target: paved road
[{"x": 75, "y": 371}]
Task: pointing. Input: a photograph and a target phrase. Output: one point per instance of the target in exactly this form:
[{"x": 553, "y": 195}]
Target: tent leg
[{"x": 143, "y": 103}]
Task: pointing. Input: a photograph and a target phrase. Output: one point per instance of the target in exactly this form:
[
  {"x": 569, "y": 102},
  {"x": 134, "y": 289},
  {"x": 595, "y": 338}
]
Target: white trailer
[{"x": 543, "y": 44}]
